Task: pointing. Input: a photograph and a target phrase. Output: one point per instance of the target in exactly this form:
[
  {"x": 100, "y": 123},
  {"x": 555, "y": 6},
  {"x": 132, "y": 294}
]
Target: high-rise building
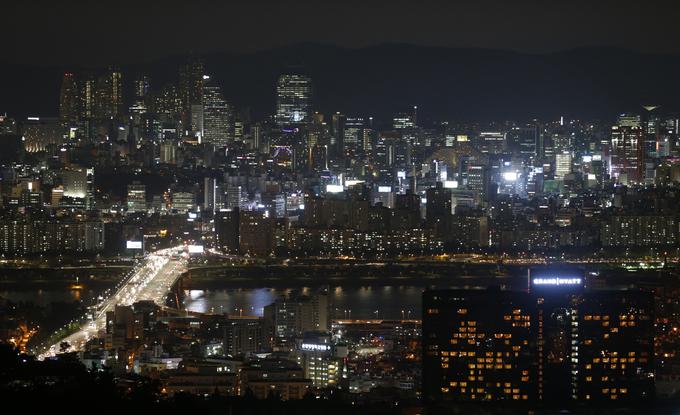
[
  {"x": 218, "y": 116},
  {"x": 627, "y": 150},
  {"x": 405, "y": 120},
  {"x": 227, "y": 230},
  {"x": 209, "y": 194},
  {"x": 290, "y": 318},
  {"x": 142, "y": 87},
  {"x": 40, "y": 132},
  {"x": 136, "y": 198},
  {"x": 477, "y": 346},
  {"x": 68, "y": 99},
  {"x": 86, "y": 92},
  {"x": 168, "y": 152},
  {"x": 523, "y": 141},
  {"x": 338, "y": 122},
  {"x": 191, "y": 84},
  {"x": 353, "y": 136},
  {"x": 556, "y": 343},
  {"x": 105, "y": 95},
  {"x": 562, "y": 165},
  {"x": 183, "y": 202},
  {"x": 293, "y": 100}
]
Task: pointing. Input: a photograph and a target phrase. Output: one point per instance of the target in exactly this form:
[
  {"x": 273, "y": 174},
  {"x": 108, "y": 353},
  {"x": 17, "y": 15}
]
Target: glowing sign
[
  {"x": 384, "y": 189},
  {"x": 510, "y": 176},
  {"x": 195, "y": 249},
  {"x": 451, "y": 184},
  {"x": 556, "y": 281},
  {"x": 334, "y": 188},
  {"x": 315, "y": 347},
  {"x": 133, "y": 244}
]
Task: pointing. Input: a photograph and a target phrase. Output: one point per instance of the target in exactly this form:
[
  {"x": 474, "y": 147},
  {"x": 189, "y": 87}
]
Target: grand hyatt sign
[
  {"x": 556, "y": 278},
  {"x": 557, "y": 281}
]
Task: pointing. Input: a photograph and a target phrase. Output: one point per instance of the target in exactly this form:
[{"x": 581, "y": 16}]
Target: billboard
[
  {"x": 195, "y": 249},
  {"x": 133, "y": 244},
  {"x": 556, "y": 277},
  {"x": 334, "y": 188}
]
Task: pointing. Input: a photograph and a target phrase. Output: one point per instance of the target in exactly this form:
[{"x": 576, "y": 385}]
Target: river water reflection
[{"x": 385, "y": 302}]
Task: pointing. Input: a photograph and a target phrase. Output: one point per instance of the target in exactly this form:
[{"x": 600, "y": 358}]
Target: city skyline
[{"x": 364, "y": 207}]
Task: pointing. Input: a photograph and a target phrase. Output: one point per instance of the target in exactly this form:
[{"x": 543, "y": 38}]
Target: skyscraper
[
  {"x": 218, "y": 116},
  {"x": 627, "y": 149},
  {"x": 68, "y": 99},
  {"x": 293, "y": 100},
  {"x": 191, "y": 85}
]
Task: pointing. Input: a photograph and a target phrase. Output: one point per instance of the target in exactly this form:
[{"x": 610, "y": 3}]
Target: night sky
[{"x": 98, "y": 32}]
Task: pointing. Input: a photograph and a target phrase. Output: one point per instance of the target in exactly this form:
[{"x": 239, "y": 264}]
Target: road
[{"x": 151, "y": 279}]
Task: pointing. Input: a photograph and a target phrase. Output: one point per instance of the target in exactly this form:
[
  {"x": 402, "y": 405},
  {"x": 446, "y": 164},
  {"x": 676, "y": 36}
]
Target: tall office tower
[
  {"x": 523, "y": 141},
  {"x": 227, "y": 230},
  {"x": 68, "y": 99},
  {"x": 218, "y": 116},
  {"x": 116, "y": 79},
  {"x": 107, "y": 95},
  {"x": 405, "y": 120},
  {"x": 438, "y": 208},
  {"x": 142, "y": 87},
  {"x": 338, "y": 133},
  {"x": 652, "y": 125},
  {"x": 209, "y": 194},
  {"x": 293, "y": 100},
  {"x": 86, "y": 92},
  {"x": 627, "y": 150},
  {"x": 233, "y": 197},
  {"x": 478, "y": 180},
  {"x": 491, "y": 142},
  {"x": 477, "y": 346},
  {"x": 166, "y": 101},
  {"x": 353, "y": 141},
  {"x": 255, "y": 136},
  {"x": 136, "y": 198},
  {"x": 562, "y": 165},
  {"x": 191, "y": 84}
]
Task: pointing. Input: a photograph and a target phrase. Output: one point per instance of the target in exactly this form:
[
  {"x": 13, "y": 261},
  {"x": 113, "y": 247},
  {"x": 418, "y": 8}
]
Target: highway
[{"x": 151, "y": 279}]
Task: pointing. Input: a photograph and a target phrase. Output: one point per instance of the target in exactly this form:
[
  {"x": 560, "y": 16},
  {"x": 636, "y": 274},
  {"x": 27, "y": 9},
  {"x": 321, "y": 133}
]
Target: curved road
[{"x": 152, "y": 279}]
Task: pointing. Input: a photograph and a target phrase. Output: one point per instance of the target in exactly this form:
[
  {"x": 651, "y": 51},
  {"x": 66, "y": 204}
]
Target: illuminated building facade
[
  {"x": 217, "y": 125},
  {"x": 616, "y": 348},
  {"x": 477, "y": 346},
  {"x": 558, "y": 343},
  {"x": 136, "y": 198},
  {"x": 627, "y": 149},
  {"x": 293, "y": 100},
  {"x": 68, "y": 99}
]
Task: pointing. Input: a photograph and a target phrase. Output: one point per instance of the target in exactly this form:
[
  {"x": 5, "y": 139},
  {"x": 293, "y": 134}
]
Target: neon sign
[{"x": 557, "y": 281}]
